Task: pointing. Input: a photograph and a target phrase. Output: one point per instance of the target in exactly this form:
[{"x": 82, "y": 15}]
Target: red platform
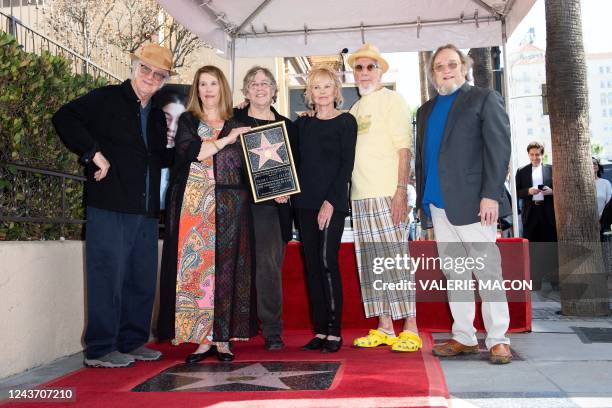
[{"x": 431, "y": 316}]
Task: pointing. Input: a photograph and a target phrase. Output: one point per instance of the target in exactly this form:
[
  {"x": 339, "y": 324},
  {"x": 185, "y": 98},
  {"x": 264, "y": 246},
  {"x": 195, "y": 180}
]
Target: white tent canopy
[
  {"x": 288, "y": 28},
  {"x": 291, "y": 28}
]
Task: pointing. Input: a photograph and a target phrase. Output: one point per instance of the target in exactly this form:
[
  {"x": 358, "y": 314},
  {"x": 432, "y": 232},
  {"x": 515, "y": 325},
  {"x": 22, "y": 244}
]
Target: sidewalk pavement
[{"x": 563, "y": 362}]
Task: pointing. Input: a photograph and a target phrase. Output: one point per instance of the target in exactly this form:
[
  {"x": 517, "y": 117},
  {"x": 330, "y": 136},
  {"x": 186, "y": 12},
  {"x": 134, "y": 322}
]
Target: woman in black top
[
  {"x": 325, "y": 156},
  {"x": 272, "y": 221}
]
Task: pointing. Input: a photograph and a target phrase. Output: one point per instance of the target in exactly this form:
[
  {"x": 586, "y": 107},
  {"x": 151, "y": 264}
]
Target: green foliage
[
  {"x": 597, "y": 149},
  {"x": 32, "y": 89}
]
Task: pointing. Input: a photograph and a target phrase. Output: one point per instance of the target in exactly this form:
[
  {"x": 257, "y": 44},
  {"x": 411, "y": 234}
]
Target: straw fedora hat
[
  {"x": 155, "y": 55},
  {"x": 369, "y": 51}
]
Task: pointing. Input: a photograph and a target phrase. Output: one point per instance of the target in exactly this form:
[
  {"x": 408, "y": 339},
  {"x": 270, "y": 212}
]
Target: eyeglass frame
[
  {"x": 453, "y": 65},
  {"x": 255, "y": 85},
  {"x": 146, "y": 70}
]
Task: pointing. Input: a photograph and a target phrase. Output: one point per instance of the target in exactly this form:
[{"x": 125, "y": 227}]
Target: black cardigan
[{"x": 107, "y": 120}]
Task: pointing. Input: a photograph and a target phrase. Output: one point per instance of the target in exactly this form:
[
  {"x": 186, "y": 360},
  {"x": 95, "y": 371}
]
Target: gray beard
[{"x": 446, "y": 90}]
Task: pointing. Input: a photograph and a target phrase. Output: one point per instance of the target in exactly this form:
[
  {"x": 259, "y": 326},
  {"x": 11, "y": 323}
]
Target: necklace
[{"x": 257, "y": 123}]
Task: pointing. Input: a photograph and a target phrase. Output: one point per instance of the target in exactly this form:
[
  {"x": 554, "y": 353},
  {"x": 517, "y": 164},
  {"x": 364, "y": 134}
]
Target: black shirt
[{"x": 326, "y": 153}]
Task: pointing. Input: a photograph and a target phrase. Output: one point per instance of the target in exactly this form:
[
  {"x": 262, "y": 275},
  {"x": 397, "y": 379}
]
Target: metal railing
[
  {"x": 30, "y": 11},
  {"x": 35, "y": 42},
  {"x": 42, "y": 196}
]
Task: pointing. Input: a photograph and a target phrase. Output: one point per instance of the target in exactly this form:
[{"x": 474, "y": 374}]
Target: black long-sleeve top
[
  {"x": 108, "y": 120},
  {"x": 326, "y": 154}
]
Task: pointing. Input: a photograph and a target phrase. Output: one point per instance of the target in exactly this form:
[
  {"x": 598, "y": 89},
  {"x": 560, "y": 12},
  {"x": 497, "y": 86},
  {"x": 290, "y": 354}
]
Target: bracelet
[
  {"x": 402, "y": 187},
  {"x": 216, "y": 145}
]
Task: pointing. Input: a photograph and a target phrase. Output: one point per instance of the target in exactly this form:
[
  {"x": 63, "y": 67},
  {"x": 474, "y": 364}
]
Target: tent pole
[
  {"x": 254, "y": 14},
  {"x": 232, "y": 61},
  {"x": 368, "y": 28},
  {"x": 515, "y": 219}
]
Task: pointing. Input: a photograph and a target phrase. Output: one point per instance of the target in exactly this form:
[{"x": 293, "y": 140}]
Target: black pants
[
  {"x": 269, "y": 254},
  {"x": 322, "y": 270},
  {"x": 543, "y": 255},
  {"x": 121, "y": 252}
]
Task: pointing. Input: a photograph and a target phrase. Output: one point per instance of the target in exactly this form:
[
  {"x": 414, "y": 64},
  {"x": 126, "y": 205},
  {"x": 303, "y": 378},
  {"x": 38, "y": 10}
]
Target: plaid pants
[{"x": 377, "y": 237}]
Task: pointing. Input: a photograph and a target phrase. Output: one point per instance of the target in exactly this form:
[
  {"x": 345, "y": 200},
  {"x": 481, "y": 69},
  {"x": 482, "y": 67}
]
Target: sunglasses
[
  {"x": 369, "y": 67},
  {"x": 158, "y": 76},
  {"x": 441, "y": 67}
]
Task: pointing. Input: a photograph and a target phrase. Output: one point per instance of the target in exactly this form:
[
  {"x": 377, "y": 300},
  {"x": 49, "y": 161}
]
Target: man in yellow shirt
[{"x": 379, "y": 204}]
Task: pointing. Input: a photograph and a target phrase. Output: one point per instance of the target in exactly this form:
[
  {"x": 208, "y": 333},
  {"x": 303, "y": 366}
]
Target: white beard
[{"x": 363, "y": 91}]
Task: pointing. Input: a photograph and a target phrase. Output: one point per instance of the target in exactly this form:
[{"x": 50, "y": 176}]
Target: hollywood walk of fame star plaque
[
  {"x": 269, "y": 161},
  {"x": 244, "y": 377}
]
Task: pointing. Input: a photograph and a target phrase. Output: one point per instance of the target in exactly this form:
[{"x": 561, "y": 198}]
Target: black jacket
[
  {"x": 107, "y": 120},
  {"x": 524, "y": 182},
  {"x": 474, "y": 153}
]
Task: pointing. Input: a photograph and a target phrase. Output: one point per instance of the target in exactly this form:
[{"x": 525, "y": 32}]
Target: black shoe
[
  {"x": 274, "y": 343},
  {"x": 315, "y": 344},
  {"x": 331, "y": 346},
  {"x": 224, "y": 356},
  {"x": 197, "y": 357}
]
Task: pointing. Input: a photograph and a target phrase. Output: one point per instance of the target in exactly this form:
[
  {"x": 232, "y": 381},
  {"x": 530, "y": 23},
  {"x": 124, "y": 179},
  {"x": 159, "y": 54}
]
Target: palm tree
[
  {"x": 427, "y": 89},
  {"x": 583, "y": 283},
  {"x": 482, "y": 69}
]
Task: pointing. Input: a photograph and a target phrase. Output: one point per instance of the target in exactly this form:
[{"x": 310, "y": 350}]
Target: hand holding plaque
[{"x": 269, "y": 160}]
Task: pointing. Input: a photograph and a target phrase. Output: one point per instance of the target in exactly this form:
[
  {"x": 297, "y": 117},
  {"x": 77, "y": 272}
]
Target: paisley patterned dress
[{"x": 195, "y": 283}]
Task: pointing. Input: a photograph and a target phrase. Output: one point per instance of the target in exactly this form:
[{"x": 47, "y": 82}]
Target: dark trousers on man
[
  {"x": 269, "y": 254},
  {"x": 542, "y": 236},
  {"x": 121, "y": 257},
  {"x": 322, "y": 269}
]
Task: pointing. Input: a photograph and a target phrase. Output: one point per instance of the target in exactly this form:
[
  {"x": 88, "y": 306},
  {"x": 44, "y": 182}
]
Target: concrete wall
[{"x": 41, "y": 302}]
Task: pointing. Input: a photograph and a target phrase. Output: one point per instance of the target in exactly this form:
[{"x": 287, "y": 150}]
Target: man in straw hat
[
  {"x": 121, "y": 140},
  {"x": 379, "y": 204}
]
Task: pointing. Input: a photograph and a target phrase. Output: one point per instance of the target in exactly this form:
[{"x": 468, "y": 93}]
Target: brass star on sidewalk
[
  {"x": 267, "y": 151},
  {"x": 254, "y": 374}
]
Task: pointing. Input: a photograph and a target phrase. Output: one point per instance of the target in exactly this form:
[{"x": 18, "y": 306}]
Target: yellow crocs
[
  {"x": 373, "y": 339},
  {"x": 407, "y": 342}
]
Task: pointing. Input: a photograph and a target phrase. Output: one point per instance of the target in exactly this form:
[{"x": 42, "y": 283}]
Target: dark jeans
[
  {"x": 322, "y": 269},
  {"x": 269, "y": 253},
  {"x": 121, "y": 252}
]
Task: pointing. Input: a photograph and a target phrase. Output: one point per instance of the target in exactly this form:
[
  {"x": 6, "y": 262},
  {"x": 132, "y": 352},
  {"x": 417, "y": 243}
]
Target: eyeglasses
[
  {"x": 158, "y": 76},
  {"x": 369, "y": 67},
  {"x": 441, "y": 67},
  {"x": 255, "y": 85}
]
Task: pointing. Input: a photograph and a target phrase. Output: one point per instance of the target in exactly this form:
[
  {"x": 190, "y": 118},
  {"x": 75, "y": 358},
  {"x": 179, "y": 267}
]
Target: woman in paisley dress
[{"x": 209, "y": 228}]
